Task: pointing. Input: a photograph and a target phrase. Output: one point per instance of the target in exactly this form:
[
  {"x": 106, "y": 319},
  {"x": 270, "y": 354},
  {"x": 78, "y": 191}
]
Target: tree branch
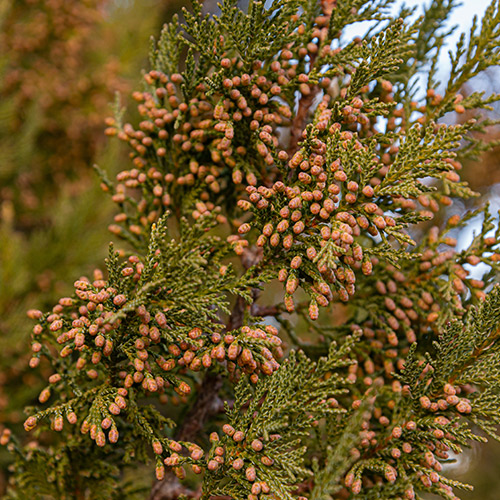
[
  {"x": 259, "y": 310},
  {"x": 300, "y": 120},
  {"x": 207, "y": 403},
  {"x": 170, "y": 489}
]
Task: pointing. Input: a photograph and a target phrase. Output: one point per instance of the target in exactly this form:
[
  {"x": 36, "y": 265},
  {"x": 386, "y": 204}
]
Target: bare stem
[{"x": 207, "y": 403}]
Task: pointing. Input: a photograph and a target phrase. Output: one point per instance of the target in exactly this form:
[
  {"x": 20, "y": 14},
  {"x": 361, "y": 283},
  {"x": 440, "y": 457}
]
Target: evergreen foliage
[
  {"x": 272, "y": 148},
  {"x": 49, "y": 139}
]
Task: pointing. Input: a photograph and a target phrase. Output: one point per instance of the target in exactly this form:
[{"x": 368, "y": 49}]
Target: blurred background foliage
[{"x": 61, "y": 63}]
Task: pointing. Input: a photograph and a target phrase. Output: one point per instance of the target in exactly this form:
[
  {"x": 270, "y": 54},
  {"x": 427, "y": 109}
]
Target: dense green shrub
[{"x": 272, "y": 147}]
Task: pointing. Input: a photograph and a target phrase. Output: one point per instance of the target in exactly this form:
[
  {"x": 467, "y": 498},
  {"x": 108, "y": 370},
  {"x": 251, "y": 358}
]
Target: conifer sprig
[{"x": 278, "y": 149}]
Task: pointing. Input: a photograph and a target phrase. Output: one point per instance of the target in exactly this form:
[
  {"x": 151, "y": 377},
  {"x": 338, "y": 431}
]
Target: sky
[{"x": 461, "y": 16}]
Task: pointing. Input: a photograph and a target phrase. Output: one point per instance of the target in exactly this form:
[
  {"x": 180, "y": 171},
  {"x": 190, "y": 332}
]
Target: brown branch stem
[
  {"x": 207, "y": 403},
  {"x": 258, "y": 310},
  {"x": 300, "y": 120}
]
